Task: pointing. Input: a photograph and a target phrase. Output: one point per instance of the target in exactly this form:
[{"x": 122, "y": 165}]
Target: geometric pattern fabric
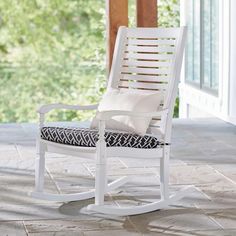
[{"x": 85, "y": 137}]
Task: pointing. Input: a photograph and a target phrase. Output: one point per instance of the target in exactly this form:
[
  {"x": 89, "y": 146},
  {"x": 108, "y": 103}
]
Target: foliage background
[{"x": 54, "y": 51}]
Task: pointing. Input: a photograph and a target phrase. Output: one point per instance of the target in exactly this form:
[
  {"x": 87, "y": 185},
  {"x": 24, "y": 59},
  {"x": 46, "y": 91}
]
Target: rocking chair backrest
[{"x": 150, "y": 59}]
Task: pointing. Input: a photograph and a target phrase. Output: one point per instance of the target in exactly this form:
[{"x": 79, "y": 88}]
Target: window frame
[{"x": 199, "y": 84}]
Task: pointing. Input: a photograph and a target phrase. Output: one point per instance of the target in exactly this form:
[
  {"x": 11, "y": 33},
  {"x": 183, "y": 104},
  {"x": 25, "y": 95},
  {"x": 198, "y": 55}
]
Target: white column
[
  {"x": 232, "y": 83},
  {"x": 182, "y": 101}
]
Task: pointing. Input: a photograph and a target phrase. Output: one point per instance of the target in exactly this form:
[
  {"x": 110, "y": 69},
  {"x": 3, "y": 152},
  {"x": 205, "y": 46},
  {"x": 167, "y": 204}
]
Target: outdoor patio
[{"x": 203, "y": 154}]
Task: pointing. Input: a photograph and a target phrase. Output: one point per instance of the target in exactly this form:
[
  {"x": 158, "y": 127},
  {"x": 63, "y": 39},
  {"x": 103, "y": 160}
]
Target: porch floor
[{"x": 203, "y": 154}]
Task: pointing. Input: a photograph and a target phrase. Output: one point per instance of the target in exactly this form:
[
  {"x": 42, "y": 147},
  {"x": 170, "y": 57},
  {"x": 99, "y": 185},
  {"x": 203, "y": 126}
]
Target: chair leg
[
  {"x": 164, "y": 173},
  {"x": 101, "y": 173},
  {"x": 40, "y": 168},
  {"x": 165, "y": 200},
  {"x": 100, "y": 184}
]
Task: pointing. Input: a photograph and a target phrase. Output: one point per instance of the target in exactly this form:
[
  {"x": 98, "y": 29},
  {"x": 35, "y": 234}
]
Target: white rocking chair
[{"x": 144, "y": 58}]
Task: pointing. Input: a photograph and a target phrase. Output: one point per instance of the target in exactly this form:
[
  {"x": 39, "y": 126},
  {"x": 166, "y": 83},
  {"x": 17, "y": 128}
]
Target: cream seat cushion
[{"x": 128, "y": 100}]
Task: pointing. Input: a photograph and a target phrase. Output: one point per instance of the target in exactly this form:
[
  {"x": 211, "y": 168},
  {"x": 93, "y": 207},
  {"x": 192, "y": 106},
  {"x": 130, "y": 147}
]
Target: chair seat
[{"x": 88, "y": 138}]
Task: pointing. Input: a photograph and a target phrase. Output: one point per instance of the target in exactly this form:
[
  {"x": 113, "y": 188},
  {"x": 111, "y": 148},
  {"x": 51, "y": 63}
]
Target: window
[{"x": 202, "y": 59}]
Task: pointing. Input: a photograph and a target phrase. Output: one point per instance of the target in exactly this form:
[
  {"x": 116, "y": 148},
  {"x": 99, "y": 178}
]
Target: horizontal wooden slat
[
  {"x": 152, "y": 86},
  {"x": 159, "y": 42},
  {"x": 153, "y": 32},
  {"x": 146, "y": 63},
  {"x": 149, "y": 56},
  {"x": 155, "y": 123},
  {"x": 131, "y": 48},
  {"x": 144, "y": 70},
  {"x": 147, "y": 78}
]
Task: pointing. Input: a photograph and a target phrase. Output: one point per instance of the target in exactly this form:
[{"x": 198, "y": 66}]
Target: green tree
[
  {"x": 51, "y": 51},
  {"x": 54, "y": 51},
  {"x": 168, "y": 13}
]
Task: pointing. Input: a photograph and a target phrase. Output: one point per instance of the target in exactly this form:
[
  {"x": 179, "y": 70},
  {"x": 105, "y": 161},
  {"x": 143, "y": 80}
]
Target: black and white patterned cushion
[{"x": 88, "y": 138}]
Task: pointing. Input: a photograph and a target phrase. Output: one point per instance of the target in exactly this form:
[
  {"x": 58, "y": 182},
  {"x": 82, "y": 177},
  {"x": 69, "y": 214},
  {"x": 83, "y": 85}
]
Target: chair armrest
[
  {"x": 106, "y": 115},
  {"x": 46, "y": 108}
]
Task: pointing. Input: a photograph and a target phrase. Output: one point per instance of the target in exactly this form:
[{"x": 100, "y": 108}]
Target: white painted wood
[
  {"x": 232, "y": 82},
  {"x": 156, "y": 64},
  {"x": 141, "y": 209},
  {"x": 140, "y": 85},
  {"x": 39, "y": 168},
  {"x": 173, "y": 88},
  {"x": 134, "y": 153},
  {"x": 183, "y": 22},
  {"x": 101, "y": 166},
  {"x": 164, "y": 173},
  {"x": 165, "y": 123},
  {"x": 151, "y": 49},
  {"x": 77, "y": 196},
  {"x": 153, "y": 33},
  {"x": 148, "y": 78},
  {"x": 157, "y": 42},
  {"x": 63, "y": 197},
  {"x": 76, "y": 151},
  {"x": 146, "y": 71},
  {"x": 41, "y": 121},
  {"x": 118, "y": 56},
  {"x": 90, "y": 153},
  {"x": 200, "y": 99},
  {"x": 143, "y": 56},
  {"x": 224, "y": 58}
]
